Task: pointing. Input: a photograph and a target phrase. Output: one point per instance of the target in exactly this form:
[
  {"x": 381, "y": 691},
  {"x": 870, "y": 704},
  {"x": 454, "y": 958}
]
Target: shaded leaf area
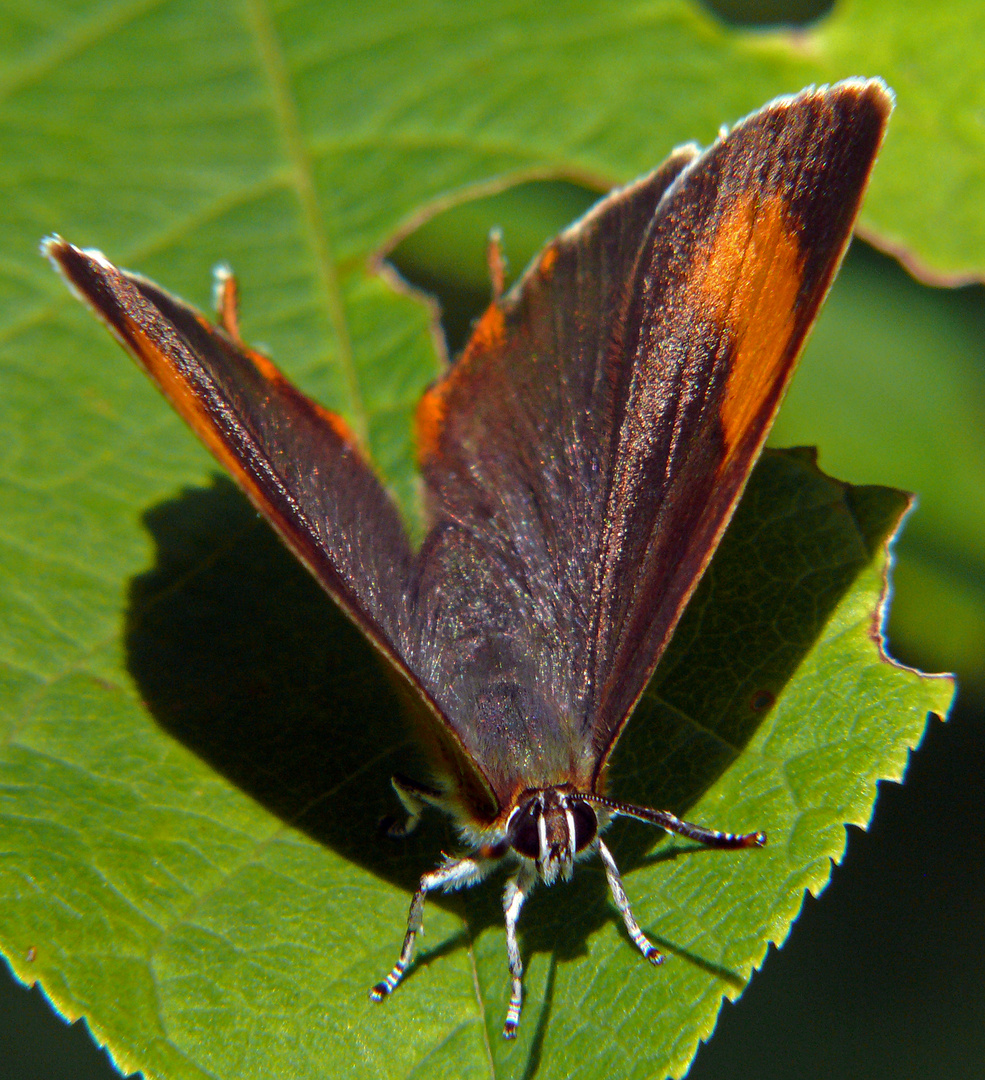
[
  {"x": 770, "y": 12},
  {"x": 240, "y": 656},
  {"x": 264, "y": 907}
]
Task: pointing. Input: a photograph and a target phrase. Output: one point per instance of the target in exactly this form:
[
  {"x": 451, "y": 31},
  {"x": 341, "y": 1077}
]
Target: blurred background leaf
[{"x": 175, "y": 134}]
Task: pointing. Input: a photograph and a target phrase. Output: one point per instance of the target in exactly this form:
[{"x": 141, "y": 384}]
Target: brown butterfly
[{"x": 581, "y": 460}]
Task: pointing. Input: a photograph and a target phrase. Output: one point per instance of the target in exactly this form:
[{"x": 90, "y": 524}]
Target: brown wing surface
[
  {"x": 581, "y": 459},
  {"x": 585, "y": 454},
  {"x": 298, "y": 463}
]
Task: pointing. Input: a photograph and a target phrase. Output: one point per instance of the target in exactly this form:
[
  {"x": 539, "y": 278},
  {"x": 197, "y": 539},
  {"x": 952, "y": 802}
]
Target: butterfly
[{"x": 580, "y": 461}]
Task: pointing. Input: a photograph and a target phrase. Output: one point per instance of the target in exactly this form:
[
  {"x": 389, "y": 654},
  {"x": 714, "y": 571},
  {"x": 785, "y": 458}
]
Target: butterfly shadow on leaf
[
  {"x": 242, "y": 658},
  {"x": 797, "y": 543}
]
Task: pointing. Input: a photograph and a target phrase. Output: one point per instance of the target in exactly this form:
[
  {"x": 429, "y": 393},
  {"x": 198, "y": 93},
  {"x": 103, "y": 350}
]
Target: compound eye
[
  {"x": 586, "y": 824},
  {"x": 524, "y": 836}
]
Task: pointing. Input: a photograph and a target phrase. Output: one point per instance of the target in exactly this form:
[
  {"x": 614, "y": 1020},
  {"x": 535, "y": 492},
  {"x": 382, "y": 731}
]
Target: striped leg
[
  {"x": 517, "y": 890},
  {"x": 663, "y": 819},
  {"x": 709, "y": 837},
  {"x": 622, "y": 903},
  {"x": 452, "y": 874}
]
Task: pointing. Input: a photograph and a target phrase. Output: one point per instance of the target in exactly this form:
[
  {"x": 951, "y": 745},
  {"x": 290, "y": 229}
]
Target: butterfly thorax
[{"x": 520, "y": 731}]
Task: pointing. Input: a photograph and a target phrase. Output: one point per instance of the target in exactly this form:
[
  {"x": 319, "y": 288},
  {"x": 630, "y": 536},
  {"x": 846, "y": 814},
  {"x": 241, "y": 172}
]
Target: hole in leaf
[
  {"x": 763, "y": 13},
  {"x": 762, "y": 700},
  {"x": 446, "y": 256}
]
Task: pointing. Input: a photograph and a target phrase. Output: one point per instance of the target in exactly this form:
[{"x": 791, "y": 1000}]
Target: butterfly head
[{"x": 551, "y": 826}]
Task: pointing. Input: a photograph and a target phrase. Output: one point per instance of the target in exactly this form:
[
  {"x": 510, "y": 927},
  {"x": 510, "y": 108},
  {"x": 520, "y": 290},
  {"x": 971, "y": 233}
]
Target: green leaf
[
  {"x": 241, "y": 888},
  {"x": 892, "y": 388},
  {"x": 195, "y": 747}
]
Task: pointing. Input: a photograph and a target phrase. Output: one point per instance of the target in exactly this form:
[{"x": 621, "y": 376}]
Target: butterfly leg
[
  {"x": 452, "y": 874},
  {"x": 225, "y": 297},
  {"x": 651, "y": 952},
  {"x": 709, "y": 837},
  {"x": 414, "y": 797},
  {"x": 663, "y": 819},
  {"x": 517, "y": 890},
  {"x": 497, "y": 263}
]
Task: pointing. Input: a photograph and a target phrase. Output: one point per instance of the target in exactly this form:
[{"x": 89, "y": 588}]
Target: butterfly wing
[
  {"x": 581, "y": 459},
  {"x": 585, "y": 454},
  {"x": 747, "y": 246},
  {"x": 298, "y": 463},
  {"x": 515, "y": 444}
]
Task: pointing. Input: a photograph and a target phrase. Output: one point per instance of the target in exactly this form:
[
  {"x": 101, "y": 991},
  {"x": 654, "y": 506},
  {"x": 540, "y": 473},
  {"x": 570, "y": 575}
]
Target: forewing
[
  {"x": 515, "y": 445},
  {"x": 584, "y": 455},
  {"x": 730, "y": 279},
  {"x": 298, "y": 463}
]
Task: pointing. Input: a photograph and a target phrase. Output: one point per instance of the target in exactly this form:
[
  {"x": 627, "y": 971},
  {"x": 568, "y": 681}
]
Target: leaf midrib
[{"x": 285, "y": 111}]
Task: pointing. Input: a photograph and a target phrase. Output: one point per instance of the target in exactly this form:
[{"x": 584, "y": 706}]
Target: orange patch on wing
[
  {"x": 546, "y": 265},
  {"x": 338, "y": 425},
  {"x": 489, "y": 333},
  {"x": 267, "y": 368},
  {"x": 161, "y": 369},
  {"x": 429, "y": 420},
  {"x": 750, "y": 285},
  {"x": 333, "y": 421},
  {"x": 273, "y": 375},
  {"x": 488, "y": 336}
]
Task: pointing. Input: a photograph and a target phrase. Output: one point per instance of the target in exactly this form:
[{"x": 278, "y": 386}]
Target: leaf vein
[{"x": 285, "y": 107}]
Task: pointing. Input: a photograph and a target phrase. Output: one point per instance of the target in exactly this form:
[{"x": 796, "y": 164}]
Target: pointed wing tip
[
  {"x": 872, "y": 89},
  {"x": 860, "y": 87},
  {"x": 50, "y": 244},
  {"x": 863, "y": 95},
  {"x": 70, "y": 263},
  {"x": 858, "y": 93},
  {"x": 57, "y": 251},
  {"x": 75, "y": 265}
]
